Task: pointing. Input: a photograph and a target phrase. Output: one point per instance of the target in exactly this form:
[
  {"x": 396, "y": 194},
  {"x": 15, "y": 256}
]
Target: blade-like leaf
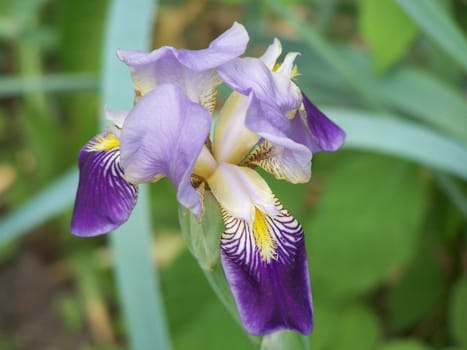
[
  {"x": 129, "y": 27},
  {"x": 388, "y": 134},
  {"x": 12, "y": 86},
  {"x": 434, "y": 21},
  {"x": 46, "y": 204},
  {"x": 387, "y": 30}
]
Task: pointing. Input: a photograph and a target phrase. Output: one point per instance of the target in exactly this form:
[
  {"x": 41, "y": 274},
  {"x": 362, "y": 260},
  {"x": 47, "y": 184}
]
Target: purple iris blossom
[
  {"x": 106, "y": 196},
  {"x": 266, "y": 122}
]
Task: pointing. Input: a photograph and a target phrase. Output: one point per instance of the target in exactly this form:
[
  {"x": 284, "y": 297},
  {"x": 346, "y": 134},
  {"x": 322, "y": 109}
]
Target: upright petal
[
  {"x": 191, "y": 70},
  {"x": 267, "y": 269},
  {"x": 248, "y": 74},
  {"x": 163, "y": 136},
  {"x": 104, "y": 199}
]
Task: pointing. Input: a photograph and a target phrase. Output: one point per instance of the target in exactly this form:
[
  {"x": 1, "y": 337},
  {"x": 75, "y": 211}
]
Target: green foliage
[
  {"x": 379, "y": 203},
  {"x": 387, "y": 30},
  {"x": 351, "y": 326},
  {"x": 438, "y": 26},
  {"x": 458, "y": 311},
  {"x": 403, "y": 345},
  {"x": 202, "y": 238},
  {"x": 417, "y": 292},
  {"x": 284, "y": 340},
  {"x": 196, "y": 318}
]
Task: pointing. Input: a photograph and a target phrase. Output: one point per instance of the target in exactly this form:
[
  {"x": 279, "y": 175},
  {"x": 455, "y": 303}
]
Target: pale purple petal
[
  {"x": 290, "y": 158},
  {"x": 247, "y": 75},
  {"x": 193, "y": 71},
  {"x": 229, "y": 45},
  {"x": 163, "y": 136},
  {"x": 325, "y": 135},
  {"x": 104, "y": 199},
  {"x": 273, "y": 295}
]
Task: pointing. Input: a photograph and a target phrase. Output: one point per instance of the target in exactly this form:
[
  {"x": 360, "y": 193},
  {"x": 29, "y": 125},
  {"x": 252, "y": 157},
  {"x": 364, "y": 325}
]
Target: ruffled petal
[
  {"x": 193, "y": 71},
  {"x": 227, "y": 46},
  {"x": 163, "y": 136},
  {"x": 266, "y": 267},
  {"x": 104, "y": 199},
  {"x": 248, "y": 74},
  {"x": 325, "y": 135}
]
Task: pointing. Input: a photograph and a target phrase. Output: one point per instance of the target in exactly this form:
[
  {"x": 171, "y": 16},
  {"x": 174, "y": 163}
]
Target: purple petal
[
  {"x": 325, "y": 136},
  {"x": 163, "y": 136},
  {"x": 290, "y": 156},
  {"x": 191, "y": 70},
  {"x": 248, "y": 74},
  {"x": 226, "y": 47},
  {"x": 104, "y": 199},
  {"x": 272, "y": 295}
]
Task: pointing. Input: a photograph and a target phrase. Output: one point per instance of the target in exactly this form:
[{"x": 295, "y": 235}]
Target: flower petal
[
  {"x": 239, "y": 190},
  {"x": 271, "y": 54},
  {"x": 104, "y": 199},
  {"x": 162, "y": 136},
  {"x": 232, "y": 140},
  {"x": 227, "y": 46},
  {"x": 282, "y": 155},
  {"x": 325, "y": 136},
  {"x": 249, "y": 74},
  {"x": 270, "y": 295},
  {"x": 191, "y": 70},
  {"x": 283, "y": 163}
]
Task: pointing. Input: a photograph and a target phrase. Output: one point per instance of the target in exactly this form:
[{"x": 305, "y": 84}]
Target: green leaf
[
  {"x": 403, "y": 345},
  {"x": 197, "y": 319},
  {"x": 436, "y": 24},
  {"x": 390, "y": 135},
  {"x": 365, "y": 225},
  {"x": 327, "y": 52},
  {"x": 344, "y": 327},
  {"x": 44, "y": 205},
  {"x": 202, "y": 238},
  {"x": 213, "y": 328},
  {"x": 458, "y": 311},
  {"x": 129, "y": 26},
  {"x": 417, "y": 292},
  {"x": 427, "y": 98},
  {"x": 387, "y": 30},
  {"x": 14, "y": 85},
  {"x": 284, "y": 340}
]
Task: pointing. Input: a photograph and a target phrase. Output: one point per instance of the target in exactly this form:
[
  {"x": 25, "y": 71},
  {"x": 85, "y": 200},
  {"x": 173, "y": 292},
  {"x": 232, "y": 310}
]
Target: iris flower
[{"x": 172, "y": 131}]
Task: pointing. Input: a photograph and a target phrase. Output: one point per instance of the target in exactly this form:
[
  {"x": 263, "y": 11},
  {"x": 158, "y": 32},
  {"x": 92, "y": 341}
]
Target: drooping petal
[
  {"x": 191, "y": 70},
  {"x": 163, "y": 136},
  {"x": 273, "y": 101},
  {"x": 283, "y": 163},
  {"x": 280, "y": 153},
  {"x": 267, "y": 269},
  {"x": 325, "y": 135},
  {"x": 104, "y": 199}
]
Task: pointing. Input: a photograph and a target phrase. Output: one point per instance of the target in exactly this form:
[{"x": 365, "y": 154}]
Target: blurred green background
[{"x": 385, "y": 218}]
